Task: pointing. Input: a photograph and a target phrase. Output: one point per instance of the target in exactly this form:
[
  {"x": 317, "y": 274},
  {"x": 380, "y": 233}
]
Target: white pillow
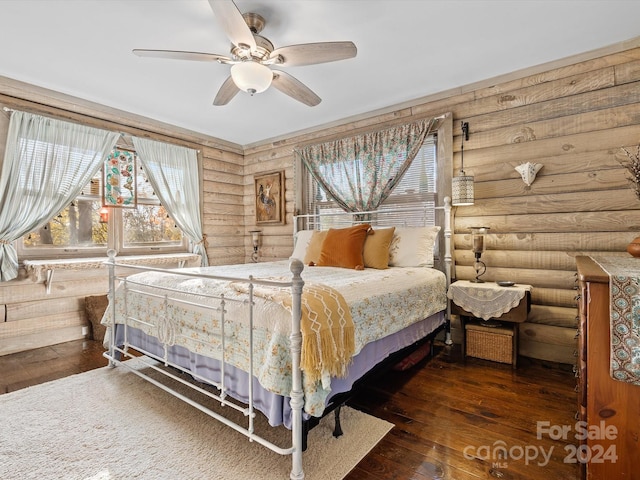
[
  {"x": 413, "y": 246},
  {"x": 302, "y": 239}
]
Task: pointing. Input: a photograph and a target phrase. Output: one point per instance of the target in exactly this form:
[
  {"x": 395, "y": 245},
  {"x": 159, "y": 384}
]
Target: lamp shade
[
  {"x": 255, "y": 237},
  {"x": 462, "y": 190},
  {"x": 252, "y": 77}
]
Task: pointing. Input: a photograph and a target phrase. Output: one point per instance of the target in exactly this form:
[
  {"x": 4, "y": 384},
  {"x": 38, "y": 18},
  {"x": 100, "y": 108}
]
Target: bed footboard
[{"x": 166, "y": 333}]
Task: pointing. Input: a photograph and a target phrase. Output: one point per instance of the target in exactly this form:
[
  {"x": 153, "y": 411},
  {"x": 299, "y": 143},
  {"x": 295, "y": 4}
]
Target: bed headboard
[{"x": 392, "y": 217}]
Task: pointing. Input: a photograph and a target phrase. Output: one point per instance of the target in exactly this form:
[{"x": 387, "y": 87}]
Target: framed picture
[
  {"x": 120, "y": 180},
  {"x": 269, "y": 196}
]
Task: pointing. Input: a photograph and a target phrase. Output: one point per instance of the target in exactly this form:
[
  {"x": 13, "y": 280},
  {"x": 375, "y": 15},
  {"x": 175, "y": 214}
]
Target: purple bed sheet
[{"x": 276, "y": 407}]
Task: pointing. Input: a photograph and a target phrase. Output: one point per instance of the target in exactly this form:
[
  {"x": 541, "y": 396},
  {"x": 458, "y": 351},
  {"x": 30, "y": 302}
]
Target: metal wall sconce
[
  {"x": 462, "y": 185},
  {"x": 255, "y": 240},
  {"x": 479, "y": 266},
  {"x": 528, "y": 172}
]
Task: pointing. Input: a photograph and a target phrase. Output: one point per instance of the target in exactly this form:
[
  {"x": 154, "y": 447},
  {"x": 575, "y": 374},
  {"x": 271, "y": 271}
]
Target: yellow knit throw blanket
[{"x": 328, "y": 340}]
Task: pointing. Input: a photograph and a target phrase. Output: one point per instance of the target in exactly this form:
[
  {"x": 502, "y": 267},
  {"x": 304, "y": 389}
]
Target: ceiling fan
[{"x": 252, "y": 56}]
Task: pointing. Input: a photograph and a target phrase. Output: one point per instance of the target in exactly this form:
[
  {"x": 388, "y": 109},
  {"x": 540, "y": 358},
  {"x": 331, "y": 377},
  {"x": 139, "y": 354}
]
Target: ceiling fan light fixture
[{"x": 251, "y": 77}]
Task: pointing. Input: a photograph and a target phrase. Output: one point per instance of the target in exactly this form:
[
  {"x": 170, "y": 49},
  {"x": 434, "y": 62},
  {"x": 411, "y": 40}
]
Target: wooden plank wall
[
  {"x": 223, "y": 211},
  {"x": 572, "y": 117},
  {"x": 29, "y": 318}
]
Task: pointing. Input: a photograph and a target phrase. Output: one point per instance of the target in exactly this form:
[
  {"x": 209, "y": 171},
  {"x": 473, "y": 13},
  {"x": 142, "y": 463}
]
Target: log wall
[{"x": 571, "y": 116}]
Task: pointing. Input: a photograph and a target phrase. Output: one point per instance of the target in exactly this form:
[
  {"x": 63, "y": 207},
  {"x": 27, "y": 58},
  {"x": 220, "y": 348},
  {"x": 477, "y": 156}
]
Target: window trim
[
  {"x": 397, "y": 199},
  {"x": 114, "y": 241},
  {"x": 115, "y": 237},
  {"x": 444, "y": 155}
]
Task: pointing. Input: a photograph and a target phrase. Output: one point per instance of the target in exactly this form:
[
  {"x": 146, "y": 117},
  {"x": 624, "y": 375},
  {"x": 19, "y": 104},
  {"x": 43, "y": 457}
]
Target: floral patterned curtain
[{"x": 360, "y": 172}]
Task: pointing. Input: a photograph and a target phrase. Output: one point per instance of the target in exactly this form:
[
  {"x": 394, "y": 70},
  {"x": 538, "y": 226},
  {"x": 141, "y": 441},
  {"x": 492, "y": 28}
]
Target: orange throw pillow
[{"x": 342, "y": 247}]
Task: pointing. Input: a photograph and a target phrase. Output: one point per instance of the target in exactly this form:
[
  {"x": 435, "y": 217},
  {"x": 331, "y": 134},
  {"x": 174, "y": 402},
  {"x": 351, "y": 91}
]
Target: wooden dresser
[{"x": 603, "y": 402}]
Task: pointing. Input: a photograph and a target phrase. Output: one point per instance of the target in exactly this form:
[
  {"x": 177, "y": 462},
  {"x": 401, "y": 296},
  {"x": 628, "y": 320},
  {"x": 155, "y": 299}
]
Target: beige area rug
[{"x": 109, "y": 424}]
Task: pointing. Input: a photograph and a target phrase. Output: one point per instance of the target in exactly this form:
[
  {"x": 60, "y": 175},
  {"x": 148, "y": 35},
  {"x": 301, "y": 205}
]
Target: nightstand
[{"x": 490, "y": 315}]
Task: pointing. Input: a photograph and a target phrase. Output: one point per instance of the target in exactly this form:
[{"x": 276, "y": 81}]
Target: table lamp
[{"x": 477, "y": 234}]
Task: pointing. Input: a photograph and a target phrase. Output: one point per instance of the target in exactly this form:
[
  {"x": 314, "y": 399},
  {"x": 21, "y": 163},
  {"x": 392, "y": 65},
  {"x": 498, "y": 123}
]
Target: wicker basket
[{"x": 490, "y": 343}]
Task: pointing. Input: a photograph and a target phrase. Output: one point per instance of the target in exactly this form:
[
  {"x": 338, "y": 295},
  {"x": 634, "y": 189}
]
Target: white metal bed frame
[
  {"x": 166, "y": 333},
  {"x": 444, "y": 261}
]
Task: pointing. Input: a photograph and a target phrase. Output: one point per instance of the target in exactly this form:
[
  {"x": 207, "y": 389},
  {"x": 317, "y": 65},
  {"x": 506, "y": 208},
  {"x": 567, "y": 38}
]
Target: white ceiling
[{"x": 407, "y": 49}]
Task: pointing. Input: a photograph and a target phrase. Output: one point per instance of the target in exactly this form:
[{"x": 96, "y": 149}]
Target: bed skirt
[{"x": 276, "y": 407}]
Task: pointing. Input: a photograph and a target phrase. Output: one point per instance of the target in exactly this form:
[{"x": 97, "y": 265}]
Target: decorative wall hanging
[
  {"x": 269, "y": 195},
  {"x": 119, "y": 180},
  {"x": 528, "y": 172}
]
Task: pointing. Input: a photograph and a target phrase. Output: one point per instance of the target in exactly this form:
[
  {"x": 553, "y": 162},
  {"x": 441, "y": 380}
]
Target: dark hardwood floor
[
  {"x": 456, "y": 420},
  {"x": 20, "y": 370},
  {"x": 452, "y": 419}
]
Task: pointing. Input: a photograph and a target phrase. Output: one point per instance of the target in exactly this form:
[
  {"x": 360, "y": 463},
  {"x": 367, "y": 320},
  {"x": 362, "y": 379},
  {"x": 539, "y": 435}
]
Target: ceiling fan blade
[
  {"x": 293, "y": 87},
  {"x": 314, "y": 53},
  {"x": 179, "y": 55},
  {"x": 232, "y": 23},
  {"x": 227, "y": 91}
]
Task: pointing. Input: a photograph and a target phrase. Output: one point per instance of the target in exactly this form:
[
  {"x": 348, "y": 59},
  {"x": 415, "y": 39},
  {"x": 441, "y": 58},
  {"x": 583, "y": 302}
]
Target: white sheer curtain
[
  {"x": 46, "y": 164},
  {"x": 173, "y": 173}
]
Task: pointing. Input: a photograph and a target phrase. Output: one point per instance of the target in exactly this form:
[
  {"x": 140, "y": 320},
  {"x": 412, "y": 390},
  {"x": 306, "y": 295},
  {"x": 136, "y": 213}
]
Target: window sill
[{"x": 42, "y": 270}]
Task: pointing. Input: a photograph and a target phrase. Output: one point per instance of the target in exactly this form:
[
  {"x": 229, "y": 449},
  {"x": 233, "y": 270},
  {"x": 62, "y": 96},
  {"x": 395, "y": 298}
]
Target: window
[
  {"x": 86, "y": 228},
  {"x": 416, "y": 189}
]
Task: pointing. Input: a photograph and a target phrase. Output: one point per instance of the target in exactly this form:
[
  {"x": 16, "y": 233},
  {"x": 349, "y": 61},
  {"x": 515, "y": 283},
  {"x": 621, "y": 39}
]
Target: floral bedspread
[{"x": 381, "y": 302}]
